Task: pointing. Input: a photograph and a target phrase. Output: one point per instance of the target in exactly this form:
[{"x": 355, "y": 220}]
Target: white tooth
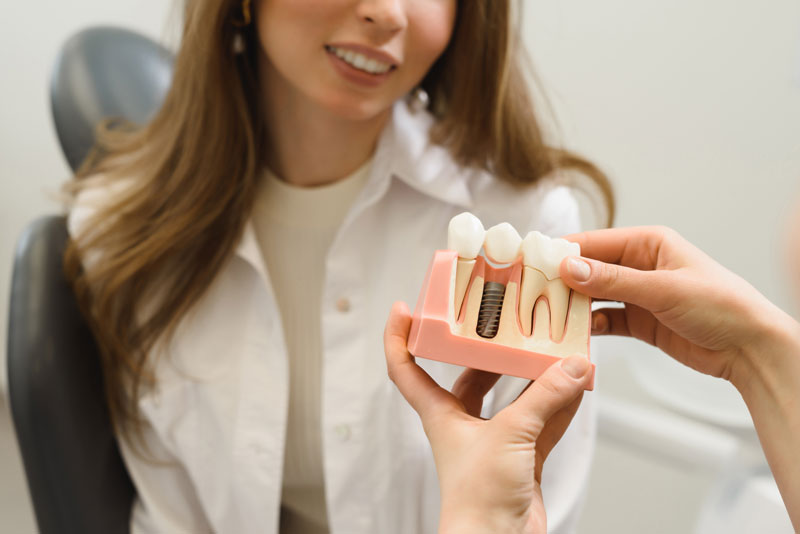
[
  {"x": 533, "y": 249},
  {"x": 465, "y": 235},
  {"x": 502, "y": 243},
  {"x": 541, "y": 253},
  {"x": 563, "y": 248},
  {"x": 349, "y": 56},
  {"x": 545, "y": 254},
  {"x": 371, "y": 65},
  {"x": 533, "y": 284},
  {"x": 360, "y": 61}
]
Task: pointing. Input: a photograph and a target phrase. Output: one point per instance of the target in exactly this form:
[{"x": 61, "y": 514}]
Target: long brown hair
[{"x": 191, "y": 173}]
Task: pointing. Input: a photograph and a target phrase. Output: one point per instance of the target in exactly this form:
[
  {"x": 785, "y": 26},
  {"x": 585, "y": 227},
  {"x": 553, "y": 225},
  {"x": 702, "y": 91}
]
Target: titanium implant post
[{"x": 491, "y": 306}]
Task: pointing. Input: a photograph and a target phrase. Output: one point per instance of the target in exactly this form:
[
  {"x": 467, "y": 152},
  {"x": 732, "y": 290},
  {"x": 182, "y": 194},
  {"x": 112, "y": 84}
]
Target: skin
[
  {"x": 683, "y": 302},
  {"x": 734, "y": 333},
  {"x": 489, "y": 470},
  {"x": 310, "y": 107},
  {"x": 677, "y": 299}
]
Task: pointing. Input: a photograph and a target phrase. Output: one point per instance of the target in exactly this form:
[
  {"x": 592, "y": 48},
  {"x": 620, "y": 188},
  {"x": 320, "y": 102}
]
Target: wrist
[
  {"x": 478, "y": 526},
  {"x": 770, "y": 362},
  {"x": 470, "y": 520}
]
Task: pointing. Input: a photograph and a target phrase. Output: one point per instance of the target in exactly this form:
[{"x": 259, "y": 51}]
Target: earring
[
  {"x": 246, "y": 17},
  {"x": 238, "y": 43},
  {"x": 419, "y": 99}
]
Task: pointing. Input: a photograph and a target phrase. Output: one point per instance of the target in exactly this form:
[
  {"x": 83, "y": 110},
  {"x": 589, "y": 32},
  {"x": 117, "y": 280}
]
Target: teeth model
[
  {"x": 465, "y": 235},
  {"x": 502, "y": 243},
  {"x": 541, "y": 257},
  {"x": 504, "y": 310}
]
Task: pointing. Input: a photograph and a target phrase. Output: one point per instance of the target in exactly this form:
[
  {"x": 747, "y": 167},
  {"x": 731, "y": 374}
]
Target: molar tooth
[
  {"x": 545, "y": 254},
  {"x": 534, "y": 249},
  {"x": 502, "y": 243},
  {"x": 540, "y": 253},
  {"x": 533, "y": 284}
]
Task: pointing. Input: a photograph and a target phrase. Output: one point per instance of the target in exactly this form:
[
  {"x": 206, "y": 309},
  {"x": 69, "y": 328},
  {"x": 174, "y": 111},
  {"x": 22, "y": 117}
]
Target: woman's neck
[{"x": 310, "y": 145}]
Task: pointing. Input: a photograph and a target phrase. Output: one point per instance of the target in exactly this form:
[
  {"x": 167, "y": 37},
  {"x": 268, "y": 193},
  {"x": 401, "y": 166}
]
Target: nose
[{"x": 386, "y": 15}]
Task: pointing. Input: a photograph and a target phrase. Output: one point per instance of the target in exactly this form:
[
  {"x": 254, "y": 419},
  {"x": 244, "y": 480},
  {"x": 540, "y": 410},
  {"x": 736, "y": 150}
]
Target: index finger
[{"x": 636, "y": 247}]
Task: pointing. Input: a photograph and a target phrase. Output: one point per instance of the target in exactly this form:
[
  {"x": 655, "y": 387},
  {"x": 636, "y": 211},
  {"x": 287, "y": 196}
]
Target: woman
[
  {"x": 677, "y": 299},
  {"x": 235, "y": 256}
]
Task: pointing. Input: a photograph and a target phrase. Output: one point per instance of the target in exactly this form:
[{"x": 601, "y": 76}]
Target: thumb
[
  {"x": 651, "y": 290},
  {"x": 556, "y": 389}
]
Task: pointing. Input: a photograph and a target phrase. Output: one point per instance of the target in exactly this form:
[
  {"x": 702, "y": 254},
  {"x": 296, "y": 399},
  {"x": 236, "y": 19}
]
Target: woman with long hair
[{"x": 237, "y": 256}]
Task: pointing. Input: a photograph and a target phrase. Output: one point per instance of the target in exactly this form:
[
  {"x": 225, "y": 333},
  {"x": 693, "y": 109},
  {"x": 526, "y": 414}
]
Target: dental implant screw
[{"x": 491, "y": 306}]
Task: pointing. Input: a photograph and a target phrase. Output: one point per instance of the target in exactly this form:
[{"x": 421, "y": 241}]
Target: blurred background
[{"x": 693, "y": 108}]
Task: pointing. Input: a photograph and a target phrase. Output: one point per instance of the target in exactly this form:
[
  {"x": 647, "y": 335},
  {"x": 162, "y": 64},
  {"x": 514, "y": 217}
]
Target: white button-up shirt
[{"x": 217, "y": 420}]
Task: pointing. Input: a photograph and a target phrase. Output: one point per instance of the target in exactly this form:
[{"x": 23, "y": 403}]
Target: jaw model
[{"x": 506, "y": 311}]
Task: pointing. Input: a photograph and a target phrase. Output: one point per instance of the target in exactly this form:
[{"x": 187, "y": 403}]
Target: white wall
[
  {"x": 31, "y": 164},
  {"x": 692, "y": 107}
]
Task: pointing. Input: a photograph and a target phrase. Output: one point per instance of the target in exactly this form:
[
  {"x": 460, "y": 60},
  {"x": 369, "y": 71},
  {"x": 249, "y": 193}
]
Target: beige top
[{"x": 294, "y": 227}]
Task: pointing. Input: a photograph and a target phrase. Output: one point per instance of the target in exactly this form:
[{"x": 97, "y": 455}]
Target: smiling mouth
[{"x": 360, "y": 61}]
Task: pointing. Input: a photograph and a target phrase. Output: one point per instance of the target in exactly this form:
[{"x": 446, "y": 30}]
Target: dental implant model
[{"x": 506, "y": 311}]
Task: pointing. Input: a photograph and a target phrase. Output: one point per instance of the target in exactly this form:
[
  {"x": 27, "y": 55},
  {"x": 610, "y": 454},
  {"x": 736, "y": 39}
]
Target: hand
[
  {"x": 676, "y": 298},
  {"x": 706, "y": 317},
  {"x": 489, "y": 470}
]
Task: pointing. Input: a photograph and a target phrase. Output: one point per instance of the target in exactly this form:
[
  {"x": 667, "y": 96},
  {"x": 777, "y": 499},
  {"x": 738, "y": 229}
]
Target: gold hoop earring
[{"x": 246, "y": 16}]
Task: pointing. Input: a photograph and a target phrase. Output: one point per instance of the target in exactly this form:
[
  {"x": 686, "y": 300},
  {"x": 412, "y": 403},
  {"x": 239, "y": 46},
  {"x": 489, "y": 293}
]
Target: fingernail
[
  {"x": 579, "y": 269},
  {"x": 575, "y": 366},
  {"x": 599, "y": 323}
]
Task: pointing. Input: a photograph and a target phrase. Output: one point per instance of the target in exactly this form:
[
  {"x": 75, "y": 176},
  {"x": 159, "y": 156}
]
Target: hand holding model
[
  {"x": 676, "y": 298},
  {"x": 489, "y": 470},
  {"x": 683, "y": 302}
]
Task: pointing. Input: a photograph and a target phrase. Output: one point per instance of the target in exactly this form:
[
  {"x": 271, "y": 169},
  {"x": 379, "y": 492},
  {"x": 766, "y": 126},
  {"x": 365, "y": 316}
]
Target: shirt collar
[
  {"x": 250, "y": 251},
  {"x": 404, "y": 152},
  {"x": 411, "y": 157}
]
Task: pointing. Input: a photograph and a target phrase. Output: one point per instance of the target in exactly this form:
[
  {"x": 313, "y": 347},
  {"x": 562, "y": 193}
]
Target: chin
[{"x": 356, "y": 107}]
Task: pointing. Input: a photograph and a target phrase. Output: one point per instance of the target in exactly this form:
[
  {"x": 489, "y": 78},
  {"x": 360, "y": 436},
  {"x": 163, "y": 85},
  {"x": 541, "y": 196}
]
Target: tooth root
[
  {"x": 472, "y": 306},
  {"x": 541, "y": 323},
  {"x": 558, "y": 299},
  {"x": 533, "y": 284},
  {"x": 463, "y": 273}
]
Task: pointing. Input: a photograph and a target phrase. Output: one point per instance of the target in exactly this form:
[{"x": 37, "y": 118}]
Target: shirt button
[
  {"x": 343, "y": 304},
  {"x": 342, "y": 431}
]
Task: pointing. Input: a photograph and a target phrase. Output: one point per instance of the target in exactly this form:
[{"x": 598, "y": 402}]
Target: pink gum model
[{"x": 437, "y": 334}]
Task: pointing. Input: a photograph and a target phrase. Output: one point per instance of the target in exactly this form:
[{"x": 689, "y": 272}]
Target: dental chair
[{"x": 76, "y": 477}]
